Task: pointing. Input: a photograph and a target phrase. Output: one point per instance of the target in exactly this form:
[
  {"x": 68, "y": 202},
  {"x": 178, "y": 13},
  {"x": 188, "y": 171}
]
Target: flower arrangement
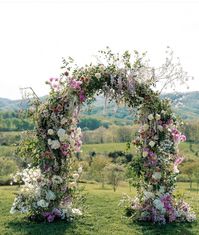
[{"x": 50, "y": 184}]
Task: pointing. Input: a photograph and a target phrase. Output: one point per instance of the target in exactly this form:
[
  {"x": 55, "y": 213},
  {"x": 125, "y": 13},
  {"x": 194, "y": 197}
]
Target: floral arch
[{"x": 50, "y": 181}]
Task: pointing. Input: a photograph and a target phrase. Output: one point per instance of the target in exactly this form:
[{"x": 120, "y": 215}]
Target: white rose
[
  {"x": 56, "y": 179},
  {"x": 50, "y": 195},
  {"x": 160, "y": 128},
  {"x": 50, "y": 131},
  {"x": 42, "y": 203},
  {"x": 63, "y": 138},
  {"x": 157, "y": 117},
  {"x": 55, "y": 144},
  {"x": 150, "y": 117},
  {"x": 145, "y": 127},
  {"x": 61, "y": 132},
  {"x": 157, "y": 175},
  {"x": 79, "y": 131},
  {"x": 98, "y": 75},
  {"x": 72, "y": 142},
  {"x": 152, "y": 144},
  {"x": 49, "y": 141}
]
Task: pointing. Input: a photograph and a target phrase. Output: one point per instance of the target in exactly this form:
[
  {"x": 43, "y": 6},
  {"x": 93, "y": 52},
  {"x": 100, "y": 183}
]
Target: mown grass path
[{"x": 103, "y": 216}]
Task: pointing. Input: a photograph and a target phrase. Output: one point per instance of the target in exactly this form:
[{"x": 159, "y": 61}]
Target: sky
[{"x": 35, "y": 35}]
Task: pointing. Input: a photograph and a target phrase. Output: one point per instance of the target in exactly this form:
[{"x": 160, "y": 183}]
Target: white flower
[
  {"x": 80, "y": 169},
  {"x": 102, "y": 67},
  {"x": 72, "y": 142},
  {"x": 64, "y": 121},
  {"x": 157, "y": 175},
  {"x": 98, "y": 75},
  {"x": 75, "y": 176},
  {"x": 50, "y": 195},
  {"x": 148, "y": 195},
  {"x": 76, "y": 212},
  {"x": 160, "y": 128},
  {"x": 72, "y": 184},
  {"x": 159, "y": 205},
  {"x": 13, "y": 210},
  {"x": 162, "y": 189},
  {"x": 145, "y": 127},
  {"x": 49, "y": 141},
  {"x": 157, "y": 117},
  {"x": 150, "y": 117},
  {"x": 145, "y": 154},
  {"x": 152, "y": 144},
  {"x": 38, "y": 192},
  {"x": 42, "y": 203},
  {"x": 50, "y": 131},
  {"x": 175, "y": 169},
  {"x": 163, "y": 112},
  {"x": 78, "y": 131},
  {"x": 56, "y": 179},
  {"x": 55, "y": 144},
  {"x": 61, "y": 132},
  {"x": 63, "y": 138}
]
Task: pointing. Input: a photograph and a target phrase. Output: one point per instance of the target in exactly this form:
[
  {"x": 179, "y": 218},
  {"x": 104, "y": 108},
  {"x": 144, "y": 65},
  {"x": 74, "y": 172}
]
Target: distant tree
[
  {"x": 114, "y": 174},
  {"x": 89, "y": 123}
]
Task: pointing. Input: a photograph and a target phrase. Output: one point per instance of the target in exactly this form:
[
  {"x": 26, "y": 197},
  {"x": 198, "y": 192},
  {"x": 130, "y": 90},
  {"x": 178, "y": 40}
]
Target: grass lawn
[
  {"x": 102, "y": 216},
  {"x": 105, "y": 148}
]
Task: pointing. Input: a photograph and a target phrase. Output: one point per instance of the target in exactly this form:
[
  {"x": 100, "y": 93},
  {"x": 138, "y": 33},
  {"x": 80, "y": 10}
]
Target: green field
[
  {"x": 105, "y": 148},
  {"x": 102, "y": 216},
  {"x": 111, "y": 147}
]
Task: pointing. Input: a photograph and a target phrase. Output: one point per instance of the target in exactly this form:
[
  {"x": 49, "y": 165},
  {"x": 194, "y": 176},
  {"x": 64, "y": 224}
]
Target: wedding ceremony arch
[{"x": 50, "y": 182}]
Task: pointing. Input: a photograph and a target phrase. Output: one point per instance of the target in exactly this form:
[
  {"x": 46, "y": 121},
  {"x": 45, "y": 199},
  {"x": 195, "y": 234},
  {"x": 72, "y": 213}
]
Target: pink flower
[
  {"x": 64, "y": 149},
  {"x": 75, "y": 84},
  {"x": 178, "y": 161},
  {"x": 183, "y": 138},
  {"x": 177, "y": 136}
]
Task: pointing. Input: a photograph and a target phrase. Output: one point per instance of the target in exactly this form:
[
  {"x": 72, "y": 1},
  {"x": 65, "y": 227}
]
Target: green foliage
[
  {"x": 95, "y": 172},
  {"x": 10, "y": 138},
  {"x": 7, "y": 167},
  {"x": 89, "y": 124},
  {"x": 120, "y": 156},
  {"x": 30, "y": 148}
]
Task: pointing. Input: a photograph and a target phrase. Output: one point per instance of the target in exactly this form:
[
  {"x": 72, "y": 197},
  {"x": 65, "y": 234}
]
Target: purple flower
[
  {"x": 82, "y": 97},
  {"x": 51, "y": 218},
  {"x": 56, "y": 212}
]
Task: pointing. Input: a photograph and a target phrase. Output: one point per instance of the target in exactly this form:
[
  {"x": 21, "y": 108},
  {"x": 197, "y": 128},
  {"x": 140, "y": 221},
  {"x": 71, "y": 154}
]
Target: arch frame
[{"x": 50, "y": 183}]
